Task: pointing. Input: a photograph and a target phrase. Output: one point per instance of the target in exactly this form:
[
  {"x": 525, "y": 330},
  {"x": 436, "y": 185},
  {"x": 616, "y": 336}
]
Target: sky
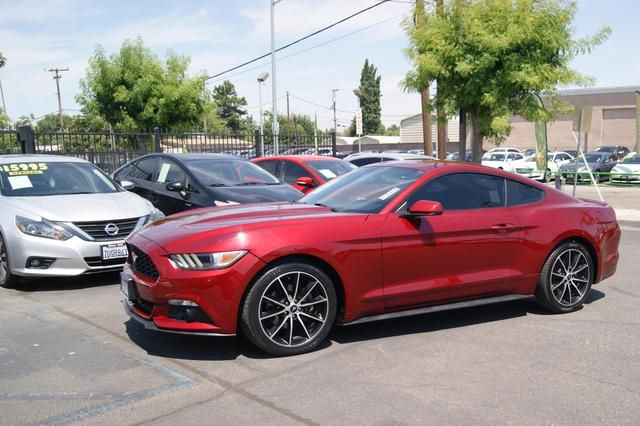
[{"x": 36, "y": 35}]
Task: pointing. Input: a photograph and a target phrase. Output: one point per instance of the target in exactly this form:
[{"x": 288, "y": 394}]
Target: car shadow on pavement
[
  {"x": 444, "y": 320},
  {"x": 69, "y": 283},
  {"x": 181, "y": 346},
  {"x": 184, "y": 346}
]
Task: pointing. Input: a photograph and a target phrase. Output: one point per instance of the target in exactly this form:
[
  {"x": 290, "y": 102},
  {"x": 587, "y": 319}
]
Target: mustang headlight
[
  {"x": 45, "y": 229},
  {"x": 206, "y": 261}
]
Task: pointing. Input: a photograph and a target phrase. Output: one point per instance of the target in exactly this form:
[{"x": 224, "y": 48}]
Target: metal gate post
[
  {"x": 334, "y": 144},
  {"x": 156, "y": 140},
  {"x": 258, "y": 139},
  {"x": 27, "y": 140}
]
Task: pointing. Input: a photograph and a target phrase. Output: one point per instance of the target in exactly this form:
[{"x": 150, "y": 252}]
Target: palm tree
[{"x": 3, "y": 60}]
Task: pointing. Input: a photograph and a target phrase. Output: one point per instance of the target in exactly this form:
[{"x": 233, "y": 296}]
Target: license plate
[
  {"x": 126, "y": 286},
  {"x": 114, "y": 251}
]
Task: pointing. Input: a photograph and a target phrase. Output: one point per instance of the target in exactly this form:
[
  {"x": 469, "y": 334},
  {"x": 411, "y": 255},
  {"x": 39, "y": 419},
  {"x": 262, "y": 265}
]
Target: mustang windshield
[
  {"x": 32, "y": 179},
  {"x": 364, "y": 190}
]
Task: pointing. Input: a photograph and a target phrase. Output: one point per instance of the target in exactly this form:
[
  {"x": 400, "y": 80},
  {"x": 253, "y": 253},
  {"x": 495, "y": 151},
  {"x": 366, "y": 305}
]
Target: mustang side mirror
[
  {"x": 424, "y": 208},
  {"x": 127, "y": 185},
  {"x": 304, "y": 181}
]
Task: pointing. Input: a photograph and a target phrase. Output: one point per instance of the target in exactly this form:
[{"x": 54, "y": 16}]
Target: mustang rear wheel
[
  {"x": 566, "y": 278},
  {"x": 290, "y": 309},
  {"x": 7, "y": 279}
]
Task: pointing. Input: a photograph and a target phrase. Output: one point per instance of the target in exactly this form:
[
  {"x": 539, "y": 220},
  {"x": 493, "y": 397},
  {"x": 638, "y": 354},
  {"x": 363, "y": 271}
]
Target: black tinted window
[
  {"x": 291, "y": 171},
  {"x": 364, "y": 161},
  {"x": 142, "y": 169},
  {"x": 269, "y": 165},
  {"x": 462, "y": 191},
  {"x": 519, "y": 194},
  {"x": 170, "y": 172}
]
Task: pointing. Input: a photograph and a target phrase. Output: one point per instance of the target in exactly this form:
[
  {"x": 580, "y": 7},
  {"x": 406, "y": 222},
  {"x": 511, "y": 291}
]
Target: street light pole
[
  {"x": 335, "y": 122},
  {"x": 274, "y": 101},
  {"x": 261, "y": 79}
]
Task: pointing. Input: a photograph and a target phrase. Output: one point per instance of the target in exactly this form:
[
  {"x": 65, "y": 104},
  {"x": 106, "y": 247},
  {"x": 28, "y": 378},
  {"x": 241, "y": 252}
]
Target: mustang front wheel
[
  {"x": 290, "y": 309},
  {"x": 566, "y": 278}
]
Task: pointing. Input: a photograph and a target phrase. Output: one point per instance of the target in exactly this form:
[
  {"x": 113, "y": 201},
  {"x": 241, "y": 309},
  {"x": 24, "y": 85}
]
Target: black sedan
[
  {"x": 600, "y": 163},
  {"x": 178, "y": 182}
]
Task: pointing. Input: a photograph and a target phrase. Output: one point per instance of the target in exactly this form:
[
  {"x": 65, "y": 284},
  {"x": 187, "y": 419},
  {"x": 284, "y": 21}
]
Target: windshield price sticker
[{"x": 21, "y": 169}]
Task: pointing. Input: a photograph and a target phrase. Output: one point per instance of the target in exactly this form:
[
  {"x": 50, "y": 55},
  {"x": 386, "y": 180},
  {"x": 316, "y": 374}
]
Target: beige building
[{"x": 613, "y": 122}]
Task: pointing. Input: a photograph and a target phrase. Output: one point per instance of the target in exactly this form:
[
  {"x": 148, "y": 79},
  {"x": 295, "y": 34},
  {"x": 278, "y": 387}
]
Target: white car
[
  {"x": 501, "y": 160},
  {"x": 501, "y": 151},
  {"x": 362, "y": 158},
  {"x": 628, "y": 170},
  {"x": 62, "y": 216},
  {"x": 528, "y": 167}
]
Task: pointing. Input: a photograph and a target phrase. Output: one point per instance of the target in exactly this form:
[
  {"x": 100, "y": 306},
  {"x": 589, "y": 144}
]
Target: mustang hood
[
  {"x": 219, "y": 223},
  {"x": 84, "y": 207}
]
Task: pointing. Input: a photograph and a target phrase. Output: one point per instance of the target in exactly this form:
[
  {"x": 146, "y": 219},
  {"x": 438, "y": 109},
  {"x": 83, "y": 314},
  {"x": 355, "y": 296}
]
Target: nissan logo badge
[{"x": 111, "y": 229}]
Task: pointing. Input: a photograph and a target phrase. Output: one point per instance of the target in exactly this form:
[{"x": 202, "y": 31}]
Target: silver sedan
[{"x": 62, "y": 216}]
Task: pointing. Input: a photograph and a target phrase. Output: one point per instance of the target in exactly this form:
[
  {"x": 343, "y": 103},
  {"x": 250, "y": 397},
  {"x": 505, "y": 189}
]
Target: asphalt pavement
[{"x": 69, "y": 354}]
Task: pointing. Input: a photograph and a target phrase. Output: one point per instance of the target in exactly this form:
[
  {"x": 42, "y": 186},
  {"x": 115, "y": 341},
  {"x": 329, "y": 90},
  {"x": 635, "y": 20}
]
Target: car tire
[
  {"x": 289, "y": 309},
  {"x": 7, "y": 279},
  {"x": 566, "y": 278},
  {"x": 546, "y": 178}
]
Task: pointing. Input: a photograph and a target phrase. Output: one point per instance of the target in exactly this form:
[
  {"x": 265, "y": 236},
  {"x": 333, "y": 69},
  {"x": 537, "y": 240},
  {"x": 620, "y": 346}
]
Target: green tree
[
  {"x": 5, "y": 121},
  {"x": 368, "y": 94},
  {"x": 393, "y": 130},
  {"x": 229, "y": 106},
  {"x": 51, "y": 123},
  {"x": 133, "y": 88},
  {"x": 25, "y": 120},
  {"x": 492, "y": 57}
]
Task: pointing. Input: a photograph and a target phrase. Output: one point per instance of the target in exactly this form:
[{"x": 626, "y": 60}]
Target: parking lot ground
[
  {"x": 625, "y": 199},
  {"x": 69, "y": 354}
]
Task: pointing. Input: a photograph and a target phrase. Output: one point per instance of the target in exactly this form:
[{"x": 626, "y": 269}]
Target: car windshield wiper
[
  {"x": 256, "y": 183},
  {"x": 217, "y": 184},
  {"x": 326, "y": 206}
]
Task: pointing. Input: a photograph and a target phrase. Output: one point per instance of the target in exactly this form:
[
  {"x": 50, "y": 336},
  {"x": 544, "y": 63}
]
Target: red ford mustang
[{"x": 391, "y": 239}]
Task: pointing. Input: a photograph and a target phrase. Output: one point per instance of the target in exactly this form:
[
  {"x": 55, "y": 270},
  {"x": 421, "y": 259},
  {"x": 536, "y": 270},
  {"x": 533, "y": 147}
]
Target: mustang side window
[
  {"x": 462, "y": 191},
  {"x": 519, "y": 194}
]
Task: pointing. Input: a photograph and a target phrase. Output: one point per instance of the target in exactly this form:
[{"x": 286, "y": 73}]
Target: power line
[
  {"x": 324, "y": 43},
  {"x": 299, "y": 40}
]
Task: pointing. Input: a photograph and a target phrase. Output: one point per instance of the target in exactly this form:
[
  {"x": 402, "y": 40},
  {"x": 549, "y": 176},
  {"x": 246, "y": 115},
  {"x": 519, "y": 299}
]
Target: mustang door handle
[{"x": 503, "y": 227}]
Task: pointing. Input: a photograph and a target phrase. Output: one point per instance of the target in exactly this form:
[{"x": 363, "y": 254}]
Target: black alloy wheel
[
  {"x": 290, "y": 309},
  {"x": 566, "y": 278}
]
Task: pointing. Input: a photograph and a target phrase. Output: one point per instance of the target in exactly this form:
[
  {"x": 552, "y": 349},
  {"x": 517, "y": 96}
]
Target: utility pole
[
  {"x": 274, "y": 100},
  {"x": 335, "y": 121},
  {"x": 424, "y": 94},
  {"x": 57, "y": 78},
  {"x": 204, "y": 116},
  {"x": 442, "y": 123},
  {"x": 288, "y": 122}
]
